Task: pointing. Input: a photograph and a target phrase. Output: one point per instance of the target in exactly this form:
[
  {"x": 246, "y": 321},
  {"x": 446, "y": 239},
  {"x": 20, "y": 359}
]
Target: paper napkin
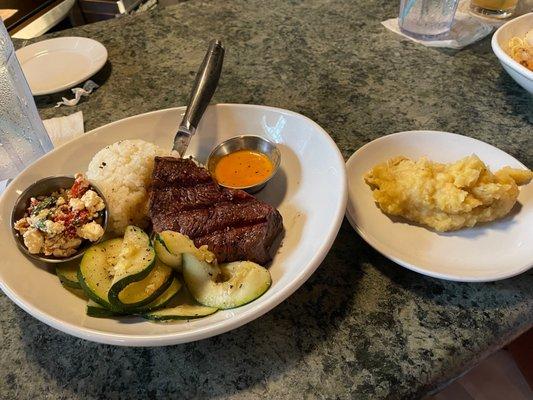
[{"x": 64, "y": 129}]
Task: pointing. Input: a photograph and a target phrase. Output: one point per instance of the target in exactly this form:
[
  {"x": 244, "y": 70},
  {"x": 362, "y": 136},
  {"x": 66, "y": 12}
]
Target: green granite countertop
[{"x": 361, "y": 327}]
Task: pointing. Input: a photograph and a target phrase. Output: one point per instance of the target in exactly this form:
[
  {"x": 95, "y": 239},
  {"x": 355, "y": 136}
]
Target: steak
[{"x": 232, "y": 223}]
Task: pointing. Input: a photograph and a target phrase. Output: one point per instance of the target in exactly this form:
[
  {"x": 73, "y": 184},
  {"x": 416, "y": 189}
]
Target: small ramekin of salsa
[{"x": 244, "y": 162}]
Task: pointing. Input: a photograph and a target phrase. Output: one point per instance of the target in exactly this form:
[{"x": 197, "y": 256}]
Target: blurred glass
[
  {"x": 426, "y": 19},
  {"x": 23, "y": 138},
  {"x": 494, "y": 8}
]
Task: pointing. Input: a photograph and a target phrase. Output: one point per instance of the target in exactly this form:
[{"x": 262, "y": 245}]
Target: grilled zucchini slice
[
  {"x": 98, "y": 311},
  {"x": 164, "y": 254},
  {"x": 102, "y": 261},
  {"x": 164, "y": 299},
  {"x": 143, "y": 292},
  {"x": 183, "y": 306},
  {"x": 135, "y": 261},
  {"x": 226, "y": 286},
  {"x": 68, "y": 274},
  {"x": 182, "y": 311},
  {"x": 170, "y": 247},
  {"x": 96, "y": 267}
]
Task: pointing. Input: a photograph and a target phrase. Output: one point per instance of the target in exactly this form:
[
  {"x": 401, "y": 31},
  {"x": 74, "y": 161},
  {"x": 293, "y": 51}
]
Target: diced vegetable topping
[{"x": 56, "y": 224}]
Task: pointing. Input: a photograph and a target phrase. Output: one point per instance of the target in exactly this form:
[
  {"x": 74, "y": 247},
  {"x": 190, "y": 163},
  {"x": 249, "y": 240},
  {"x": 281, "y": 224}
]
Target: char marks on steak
[{"x": 232, "y": 223}]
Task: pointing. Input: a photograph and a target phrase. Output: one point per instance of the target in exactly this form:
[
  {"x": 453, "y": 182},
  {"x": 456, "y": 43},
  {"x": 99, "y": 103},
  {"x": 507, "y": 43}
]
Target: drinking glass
[
  {"x": 23, "y": 138},
  {"x": 494, "y": 8},
  {"x": 426, "y": 19}
]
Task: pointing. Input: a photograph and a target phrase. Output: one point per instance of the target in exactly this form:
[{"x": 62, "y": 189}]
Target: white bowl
[
  {"x": 500, "y": 45},
  {"x": 309, "y": 190}
]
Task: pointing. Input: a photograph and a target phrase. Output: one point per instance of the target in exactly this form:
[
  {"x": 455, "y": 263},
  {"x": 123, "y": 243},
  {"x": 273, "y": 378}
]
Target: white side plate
[
  {"x": 54, "y": 65},
  {"x": 487, "y": 252},
  {"x": 309, "y": 190}
]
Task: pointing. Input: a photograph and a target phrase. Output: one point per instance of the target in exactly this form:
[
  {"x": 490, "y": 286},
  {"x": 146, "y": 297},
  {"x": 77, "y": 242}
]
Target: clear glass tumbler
[
  {"x": 23, "y": 138},
  {"x": 426, "y": 19},
  {"x": 494, "y": 8}
]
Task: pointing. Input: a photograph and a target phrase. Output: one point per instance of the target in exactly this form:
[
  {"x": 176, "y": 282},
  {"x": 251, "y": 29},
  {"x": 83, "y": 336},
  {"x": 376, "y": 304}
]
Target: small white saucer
[
  {"x": 487, "y": 252},
  {"x": 53, "y": 65}
]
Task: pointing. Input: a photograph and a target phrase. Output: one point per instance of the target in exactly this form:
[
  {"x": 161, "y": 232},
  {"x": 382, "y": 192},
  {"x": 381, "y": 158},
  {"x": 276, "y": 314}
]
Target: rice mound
[{"x": 123, "y": 171}]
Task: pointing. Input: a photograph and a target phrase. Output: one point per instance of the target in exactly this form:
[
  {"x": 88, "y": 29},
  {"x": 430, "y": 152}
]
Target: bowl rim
[
  {"x": 255, "y": 185},
  {"x": 502, "y": 54},
  {"x": 51, "y": 259}
]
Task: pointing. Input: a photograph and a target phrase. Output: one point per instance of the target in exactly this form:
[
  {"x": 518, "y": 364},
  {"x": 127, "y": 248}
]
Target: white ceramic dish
[
  {"x": 309, "y": 190},
  {"x": 45, "y": 22},
  {"x": 500, "y": 45},
  {"x": 487, "y": 252},
  {"x": 54, "y": 65}
]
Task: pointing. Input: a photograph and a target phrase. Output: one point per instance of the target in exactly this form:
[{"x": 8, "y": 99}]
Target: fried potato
[{"x": 445, "y": 197}]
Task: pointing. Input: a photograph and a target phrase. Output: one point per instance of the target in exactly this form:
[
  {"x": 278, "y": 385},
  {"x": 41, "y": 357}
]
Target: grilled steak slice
[{"x": 232, "y": 223}]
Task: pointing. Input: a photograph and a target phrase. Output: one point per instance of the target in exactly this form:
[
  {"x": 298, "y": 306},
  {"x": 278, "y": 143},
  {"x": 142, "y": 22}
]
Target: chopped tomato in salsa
[{"x": 79, "y": 187}]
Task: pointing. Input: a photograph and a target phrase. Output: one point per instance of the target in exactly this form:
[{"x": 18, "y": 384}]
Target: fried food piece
[{"x": 445, "y": 197}]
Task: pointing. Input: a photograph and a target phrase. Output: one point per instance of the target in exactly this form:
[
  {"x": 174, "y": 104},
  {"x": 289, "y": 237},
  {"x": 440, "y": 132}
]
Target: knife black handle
[{"x": 205, "y": 85}]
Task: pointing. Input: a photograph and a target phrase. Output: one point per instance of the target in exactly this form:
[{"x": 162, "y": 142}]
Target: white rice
[{"x": 123, "y": 171}]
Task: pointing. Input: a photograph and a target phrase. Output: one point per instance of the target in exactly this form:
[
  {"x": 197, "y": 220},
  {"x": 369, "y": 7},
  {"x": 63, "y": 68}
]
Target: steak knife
[{"x": 203, "y": 89}]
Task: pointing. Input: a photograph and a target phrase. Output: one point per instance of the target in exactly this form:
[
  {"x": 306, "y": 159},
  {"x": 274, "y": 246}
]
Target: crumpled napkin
[
  {"x": 86, "y": 90},
  {"x": 64, "y": 129},
  {"x": 466, "y": 29}
]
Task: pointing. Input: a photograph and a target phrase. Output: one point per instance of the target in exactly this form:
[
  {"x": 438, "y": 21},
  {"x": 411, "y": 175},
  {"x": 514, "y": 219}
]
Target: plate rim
[
  {"x": 165, "y": 339},
  {"x": 378, "y": 244},
  {"x": 97, "y": 66}
]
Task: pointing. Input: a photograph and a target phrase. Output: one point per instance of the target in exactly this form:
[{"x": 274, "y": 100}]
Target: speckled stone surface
[{"x": 361, "y": 327}]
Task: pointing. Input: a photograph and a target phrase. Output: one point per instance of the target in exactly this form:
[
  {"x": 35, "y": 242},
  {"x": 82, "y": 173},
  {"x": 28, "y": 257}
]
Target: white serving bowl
[
  {"x": 309, "y": 190},
  {"x": 500, "y": 45}
]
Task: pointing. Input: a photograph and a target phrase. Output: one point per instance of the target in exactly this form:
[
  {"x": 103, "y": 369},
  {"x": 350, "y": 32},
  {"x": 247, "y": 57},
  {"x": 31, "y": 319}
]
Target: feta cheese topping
[
  {"x": 91, "y": 231},
  {"x": 56, "y": 224},
  {"x": 92, "y": 202},
  {"x": 76, "y": 204},
  {"x": 33, "y": 240}
]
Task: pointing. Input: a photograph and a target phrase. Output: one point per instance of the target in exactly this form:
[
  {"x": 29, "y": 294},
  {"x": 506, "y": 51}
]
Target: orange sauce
[{"x": 243, "y": 168}]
